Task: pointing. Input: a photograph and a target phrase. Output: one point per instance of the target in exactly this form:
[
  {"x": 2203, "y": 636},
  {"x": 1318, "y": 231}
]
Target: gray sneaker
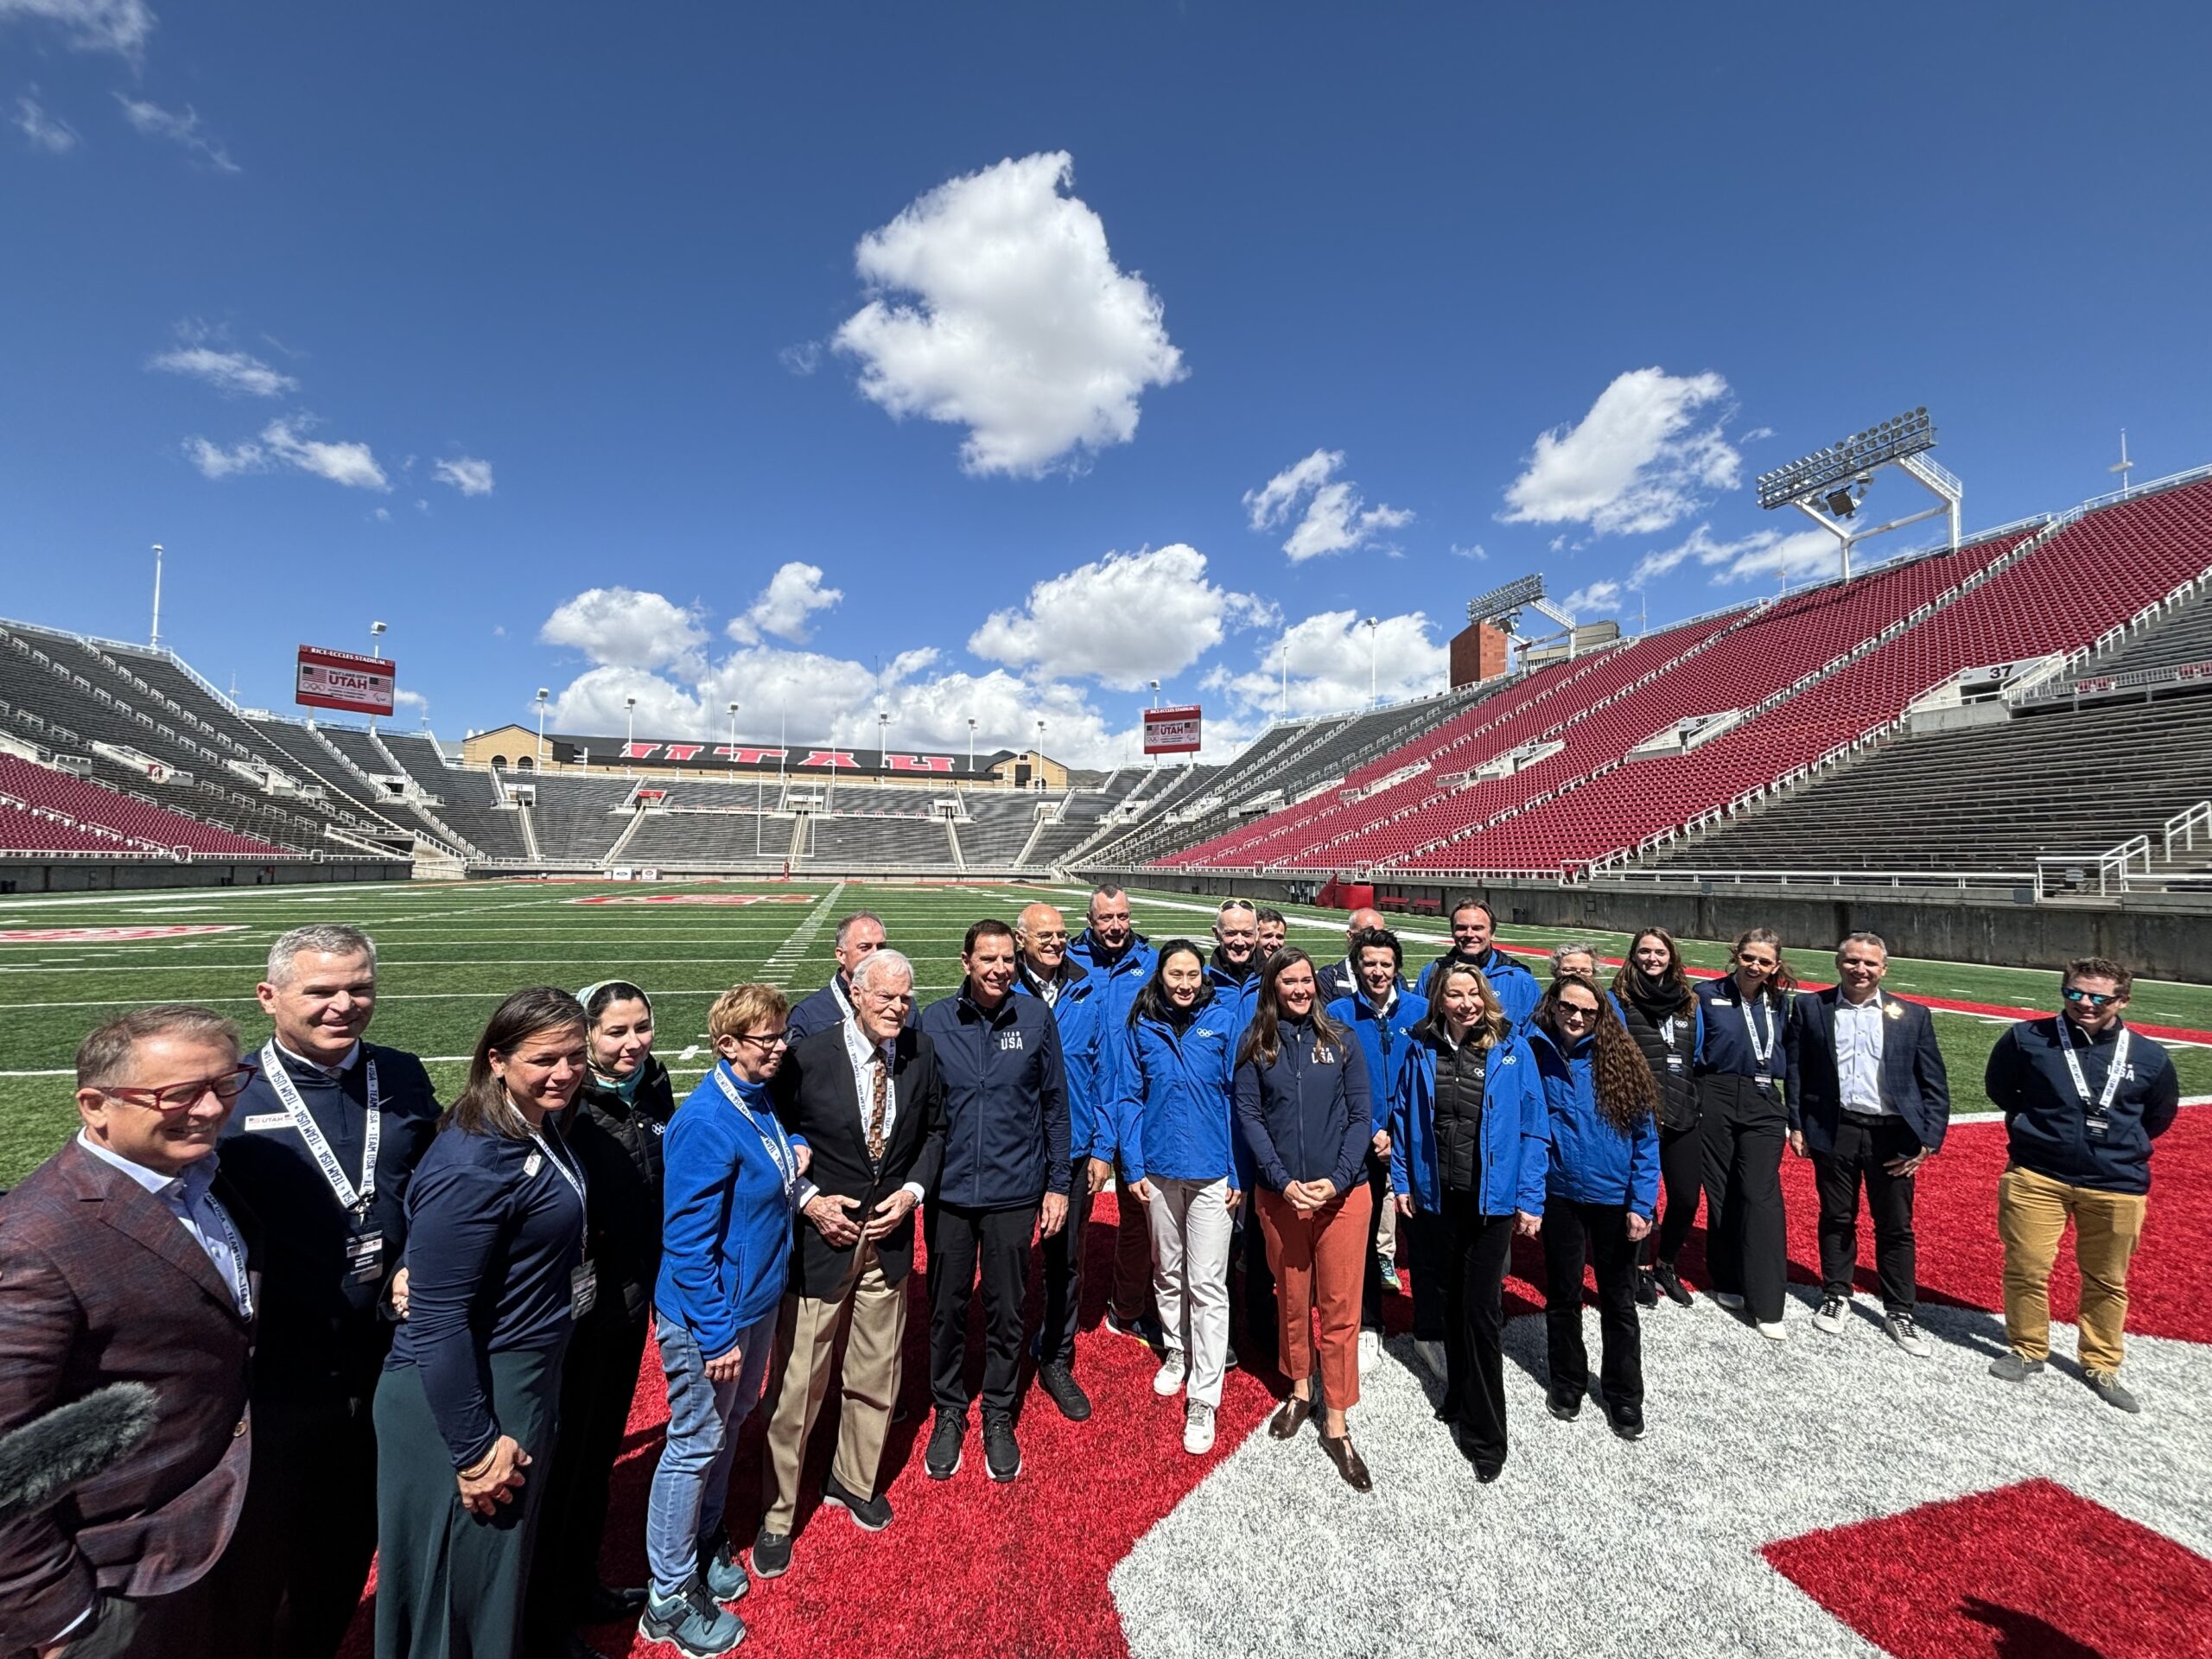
[
  {"x": 1907, "y": 1335},
  {"x": 2011, "y": 1367},
  {"x": 1829, "y": 1320},
  {"x": 690, "y": 1621},
  {"x": 2110, "y": 1390}
]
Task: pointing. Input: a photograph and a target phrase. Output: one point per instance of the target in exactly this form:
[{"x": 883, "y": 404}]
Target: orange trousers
[{"x": 1319, "y": 1262}]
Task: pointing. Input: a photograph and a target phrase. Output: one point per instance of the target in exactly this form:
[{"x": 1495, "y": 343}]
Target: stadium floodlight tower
[
  {"x": 1502, "y": 607},
  {"x": 1828, "y": 485}
]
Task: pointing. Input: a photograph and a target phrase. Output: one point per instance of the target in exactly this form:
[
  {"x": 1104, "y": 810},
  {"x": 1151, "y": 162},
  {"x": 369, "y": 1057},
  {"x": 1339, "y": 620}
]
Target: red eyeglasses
[{"x": 183, "y": 1097}]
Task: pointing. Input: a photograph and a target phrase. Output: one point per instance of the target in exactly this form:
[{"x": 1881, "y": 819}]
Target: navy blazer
[{"x": 1914, "y": 1084}]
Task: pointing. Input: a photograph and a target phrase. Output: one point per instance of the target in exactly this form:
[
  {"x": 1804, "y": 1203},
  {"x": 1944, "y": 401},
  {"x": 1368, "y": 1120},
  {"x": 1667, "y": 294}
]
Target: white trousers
[{"x": 1190, "y": 1232}]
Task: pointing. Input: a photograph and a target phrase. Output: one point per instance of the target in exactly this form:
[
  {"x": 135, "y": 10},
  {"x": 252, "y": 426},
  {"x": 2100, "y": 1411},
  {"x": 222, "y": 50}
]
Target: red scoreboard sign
[
  {"x": 341, "y": 679},
  {"x": 1172, "y": 731}
]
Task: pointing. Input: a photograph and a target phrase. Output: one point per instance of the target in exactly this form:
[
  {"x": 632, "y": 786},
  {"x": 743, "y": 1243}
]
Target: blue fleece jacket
[
  {"x": 1080, "y": 1010},
  {"x": 1516, "y": 988},
  {"x": 1385, "y": 1040},
  {"x": 1515, "y": 1134},
  {"x": 725, "y": 1234},
  {"x": 1592, "y": 1162}
]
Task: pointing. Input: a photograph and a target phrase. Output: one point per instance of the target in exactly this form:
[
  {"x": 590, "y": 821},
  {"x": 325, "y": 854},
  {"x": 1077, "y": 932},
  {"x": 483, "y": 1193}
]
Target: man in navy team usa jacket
[{"x": 1006, "y": 1177}]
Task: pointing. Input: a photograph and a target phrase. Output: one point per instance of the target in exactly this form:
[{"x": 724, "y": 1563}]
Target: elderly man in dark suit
[
  {"x": 1869, "y": 1102},
  {"x": 864, "y": 1095},
  {"x": 124, "y": 1257}
]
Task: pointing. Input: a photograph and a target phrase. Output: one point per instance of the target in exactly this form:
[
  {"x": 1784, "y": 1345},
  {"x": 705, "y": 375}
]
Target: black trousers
[
  {"x": 1370, "y": 1287},
  {"x": 1063, "y": 1274},
  {"x": 964, "y": 1244},
  {"x": 1476, "y": 1249},
  {"x": 1597, "y": 1232},
  {"x": 1747, "y": 1251},
  {"x": 598, "y": 1378},
  {"x": 1681, "y": 1174},
  {"x": 310, "y": 1524},
  {"x": 1861, "y": 1151},
  {"x": 1261, "y": 1318},
  {"x": 1428, "y": 1253}
]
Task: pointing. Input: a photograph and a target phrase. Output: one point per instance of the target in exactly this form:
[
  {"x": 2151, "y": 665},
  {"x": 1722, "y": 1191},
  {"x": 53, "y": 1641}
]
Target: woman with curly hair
[{"x": 1600, "y": 1194}]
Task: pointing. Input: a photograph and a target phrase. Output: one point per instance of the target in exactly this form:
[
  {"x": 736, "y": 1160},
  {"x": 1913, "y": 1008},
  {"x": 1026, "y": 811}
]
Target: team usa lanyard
[
  {"x": 236, "y": 1245},
  {"x": 354, "y": 1199},
  {"x": 574, "y": 1177},
  {"x": 772, "y": 1136},
  {"x": 2118, "y": 1068},
  {"x": 1761, "y": 1052}
]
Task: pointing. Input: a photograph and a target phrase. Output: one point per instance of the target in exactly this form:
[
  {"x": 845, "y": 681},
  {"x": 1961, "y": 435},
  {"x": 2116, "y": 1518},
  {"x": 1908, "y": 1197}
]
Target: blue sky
[{"x": 595, "y": 347}]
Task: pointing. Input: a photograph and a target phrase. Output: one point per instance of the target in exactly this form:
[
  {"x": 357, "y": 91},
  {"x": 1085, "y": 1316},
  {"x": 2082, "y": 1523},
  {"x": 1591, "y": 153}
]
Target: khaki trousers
[
  {"x": 2032, "y": 1211},
  {"x": 874, "y": 1312}
]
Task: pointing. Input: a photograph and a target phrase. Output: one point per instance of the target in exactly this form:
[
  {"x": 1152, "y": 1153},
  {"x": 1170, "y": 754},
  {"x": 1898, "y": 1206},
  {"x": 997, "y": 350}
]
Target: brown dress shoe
[
  {"x": 1348, "y": 1462},
  {"x": 1291, "y": 1418}
]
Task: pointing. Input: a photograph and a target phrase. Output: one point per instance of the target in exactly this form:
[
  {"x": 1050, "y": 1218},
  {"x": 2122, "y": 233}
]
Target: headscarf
[{"x": 626, "y": 1087}]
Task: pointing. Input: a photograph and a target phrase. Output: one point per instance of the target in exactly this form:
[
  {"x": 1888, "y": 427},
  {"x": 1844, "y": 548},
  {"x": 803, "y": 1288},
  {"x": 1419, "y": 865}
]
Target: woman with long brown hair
[
  {"x": 1743, "y": 1076},
  {"x": 1303, "y": 1111},
  {"x": 1652, "y": 994},
  {"x": 497, "y": 1276},
  {"x": 1600, "y": 1194}
]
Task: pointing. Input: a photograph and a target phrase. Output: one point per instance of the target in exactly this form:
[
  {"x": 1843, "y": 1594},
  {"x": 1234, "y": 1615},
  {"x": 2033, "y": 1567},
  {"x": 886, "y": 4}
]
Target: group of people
[{"x": 380, "y": 1326}]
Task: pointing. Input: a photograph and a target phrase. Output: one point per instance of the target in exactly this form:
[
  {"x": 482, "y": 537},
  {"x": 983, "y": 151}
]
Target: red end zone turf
[{"x": 972, "y": 1568}]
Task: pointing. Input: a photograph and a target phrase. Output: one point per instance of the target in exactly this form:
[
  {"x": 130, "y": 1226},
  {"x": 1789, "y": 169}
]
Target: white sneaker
[
  {"x": 1833, "y": 1311},
  {"x": 1168, "y": 1379},
  {"x": 1370, "y": 1350},
  {"x": 1729, "y": 1300},
  {"x": 1431, "y": 1355},
  {"x": 1774, "y": 1330},
  {"x": 1197, "y": 1428}
]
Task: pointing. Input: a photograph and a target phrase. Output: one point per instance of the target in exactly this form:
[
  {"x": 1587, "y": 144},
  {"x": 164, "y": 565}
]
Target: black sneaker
[
  {"x": 1064, "y": 1391},
  {"x": 1001, "y": 1452},
  {"x": 771, "y": 1553},
  {"x": 942, "y": 1460},
  {"x": 1627, "y": 1421},
  {"x": 1670, "y": 1282},
  {"x": 1563, "y": 1403},
  {"x": 1647, "y": 1287},
  {"x": 1228, "y": 1356},
  {"x": 869, "y": 1514},
  {"x": 1144, "y": 1328}
]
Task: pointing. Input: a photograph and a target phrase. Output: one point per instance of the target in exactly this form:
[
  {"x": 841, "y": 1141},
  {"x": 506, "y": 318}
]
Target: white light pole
[
  {"x": 542, "y": 694},
  {"x": 1040, "y": 757},
  {"x": 376, "y": 650},
  {"x": 882, "y": 739},
  {"x": 157, "y": 639},
  {"x": 971, "y": 747},
  {"x": 630, "y": 736},
  {"x": 732, "y": 733},
  {"x": 1283, "y": 711},
  {"x": 1154, "y": 758}
]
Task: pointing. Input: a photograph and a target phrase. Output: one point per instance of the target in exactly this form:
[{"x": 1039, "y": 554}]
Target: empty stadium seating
[{"x": 93, "y": 808}]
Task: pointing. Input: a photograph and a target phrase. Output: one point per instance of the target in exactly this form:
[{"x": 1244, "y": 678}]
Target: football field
[{"x": 451, "y": 951}]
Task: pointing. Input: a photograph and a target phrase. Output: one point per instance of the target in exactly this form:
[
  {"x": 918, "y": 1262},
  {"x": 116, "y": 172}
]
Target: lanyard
[
  {"x": 288, "y": 1094},
  {"x": 2117, "y": 1071},
  {"x": 233, "y": 1243},
  {"x": 1761, "y": 1052},
  {"x": 779, "y": 1148},
  {"x": 574, "y": 1177}
]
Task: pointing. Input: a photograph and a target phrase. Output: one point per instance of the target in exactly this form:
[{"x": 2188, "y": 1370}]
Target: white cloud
[
  {"x": 792, "y": 594},
  {"x": 1020, "y": 327},
  {"x": 622, "y": 628},
  {"x": 1123, "y": 619},
  {"x": 117, "y": 26},
  {"x": 382, "y": 515},
  {"x": 801, "y": 359},
  {"x": 1632, "y": 465},
  {"x": 1806, "y": 554},
  {"x": 238, "y": 371},
  {"x": 281, "y": 445},
  {"x": 405, "y": 699},
  {"x": 48, "y": 132},
  {"x": 1596, "y": 599},
  {"x": 215, "y": 461},
  {"x": 465, "y": 474},
  {"x": 1329, "y": 659},
  {"x": 1475, "y": 551},
  {"x": 152, "y": 121},
  {"x": 1337, "y": 519}
]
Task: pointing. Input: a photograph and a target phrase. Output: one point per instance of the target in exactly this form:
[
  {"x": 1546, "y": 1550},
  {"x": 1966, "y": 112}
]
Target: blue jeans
[{"x": 692, "y": 1481}]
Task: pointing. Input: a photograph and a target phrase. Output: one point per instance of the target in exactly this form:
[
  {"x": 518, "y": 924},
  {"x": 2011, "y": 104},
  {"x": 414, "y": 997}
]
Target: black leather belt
[{"x": 1864, "y": 1120}]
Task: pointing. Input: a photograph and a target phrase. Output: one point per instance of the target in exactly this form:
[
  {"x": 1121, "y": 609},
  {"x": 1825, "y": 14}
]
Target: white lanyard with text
[
  {"x": 1761, "y": 1053},
  {"x": 355, "y": 1200},
  {"x": 2118, "y": 1070},
  {"x": 237, "y": 1248},
  {"x": 574, "y": 1177},
  {"x": 779, "y": 1148},
  {"x": 583, "y": 1280}
]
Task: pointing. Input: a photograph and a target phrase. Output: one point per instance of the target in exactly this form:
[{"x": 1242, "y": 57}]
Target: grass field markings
[{"x": 786, "y": 957}]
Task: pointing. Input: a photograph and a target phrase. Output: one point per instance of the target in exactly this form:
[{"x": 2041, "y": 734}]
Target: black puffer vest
[
  {"x": 1461, "y": 1080},
  {"x": 1672, "y": 1064}
]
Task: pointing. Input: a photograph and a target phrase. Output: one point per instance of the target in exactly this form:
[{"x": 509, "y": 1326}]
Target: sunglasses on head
[{"x": 2095, "y": 999}]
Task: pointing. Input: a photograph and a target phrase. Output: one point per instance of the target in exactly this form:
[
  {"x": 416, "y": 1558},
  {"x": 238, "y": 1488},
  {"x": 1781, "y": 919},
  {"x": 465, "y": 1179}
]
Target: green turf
[{"x": 450, "y": 952}]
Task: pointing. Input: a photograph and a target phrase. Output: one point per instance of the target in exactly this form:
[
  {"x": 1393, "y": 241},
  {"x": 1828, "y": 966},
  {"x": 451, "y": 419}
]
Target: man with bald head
[
  {"x": 1077, "y": 997},
  {"x": 1341, "y": 979}
]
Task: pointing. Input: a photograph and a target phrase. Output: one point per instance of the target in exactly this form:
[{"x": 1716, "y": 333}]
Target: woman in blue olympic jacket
[
  {"x": 1468, "y": 1157},
  {"x": 1601, "y": 1193},
  {"x": 1184, "y": 1164}
]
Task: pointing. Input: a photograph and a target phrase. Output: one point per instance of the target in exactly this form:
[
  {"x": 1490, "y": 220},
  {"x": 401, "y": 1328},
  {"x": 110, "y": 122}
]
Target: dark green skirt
[{"x": 449, "y": 1584}]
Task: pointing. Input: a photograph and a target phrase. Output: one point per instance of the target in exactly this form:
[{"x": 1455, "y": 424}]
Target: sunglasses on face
[
  {"x": 183, "y": 1097},
  {"x": 2095, "y": 999},
  {"x": 1576, "y": 1011}
]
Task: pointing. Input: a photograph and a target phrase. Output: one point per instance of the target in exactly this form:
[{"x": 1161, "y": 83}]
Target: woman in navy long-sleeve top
[
  {"x": 1303, "y": 1111},
  {"x": 466, "y": 1409},
  {"x": 1742, "y": 1075}
]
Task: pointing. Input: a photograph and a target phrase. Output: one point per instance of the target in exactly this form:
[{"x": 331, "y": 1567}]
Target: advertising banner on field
[
  {"x": 1172, "y": 731},
  {"x": 342, "y": 679}
]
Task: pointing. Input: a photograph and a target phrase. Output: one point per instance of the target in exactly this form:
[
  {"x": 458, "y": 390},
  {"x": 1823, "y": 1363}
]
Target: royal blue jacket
[
  {"x": 1592, "y": 1160},
  {"x": 1515, "y": 1136},
  {"x": 1080, "y": 1011},
  {"x": 1173, "y": 1105},
  {"x": 1385, "y": 1039},
  {"x": 1121, "y": 977},
  {"x": 726, "y": 1226},
  {"x": 2048, "y": 1126},
  {"x": 1727, "y": 1048},
  {"x": 1515, "y": 986},
  {"x": 1006, "y": 1101},
  {"x": 1307, "y": 1116},
  {"x": 1233, "y": 997}
]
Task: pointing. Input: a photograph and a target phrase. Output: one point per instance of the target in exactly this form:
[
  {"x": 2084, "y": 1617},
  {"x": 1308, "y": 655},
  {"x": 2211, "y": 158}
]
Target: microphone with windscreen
[{"x": 48, "y": 1458}]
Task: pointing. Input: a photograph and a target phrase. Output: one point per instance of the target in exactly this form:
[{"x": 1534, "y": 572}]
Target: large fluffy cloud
[
  {"x": 1124, "y": 620},
  {"x": 792, "y": 596},
  {"x": 1636, "y": 463},
  {"x": 1330, "y": 656},
  {"x": 1336, "y": 518},
  {"x": 620, "y": 627},
  {"x": 998, "y": 307}
]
